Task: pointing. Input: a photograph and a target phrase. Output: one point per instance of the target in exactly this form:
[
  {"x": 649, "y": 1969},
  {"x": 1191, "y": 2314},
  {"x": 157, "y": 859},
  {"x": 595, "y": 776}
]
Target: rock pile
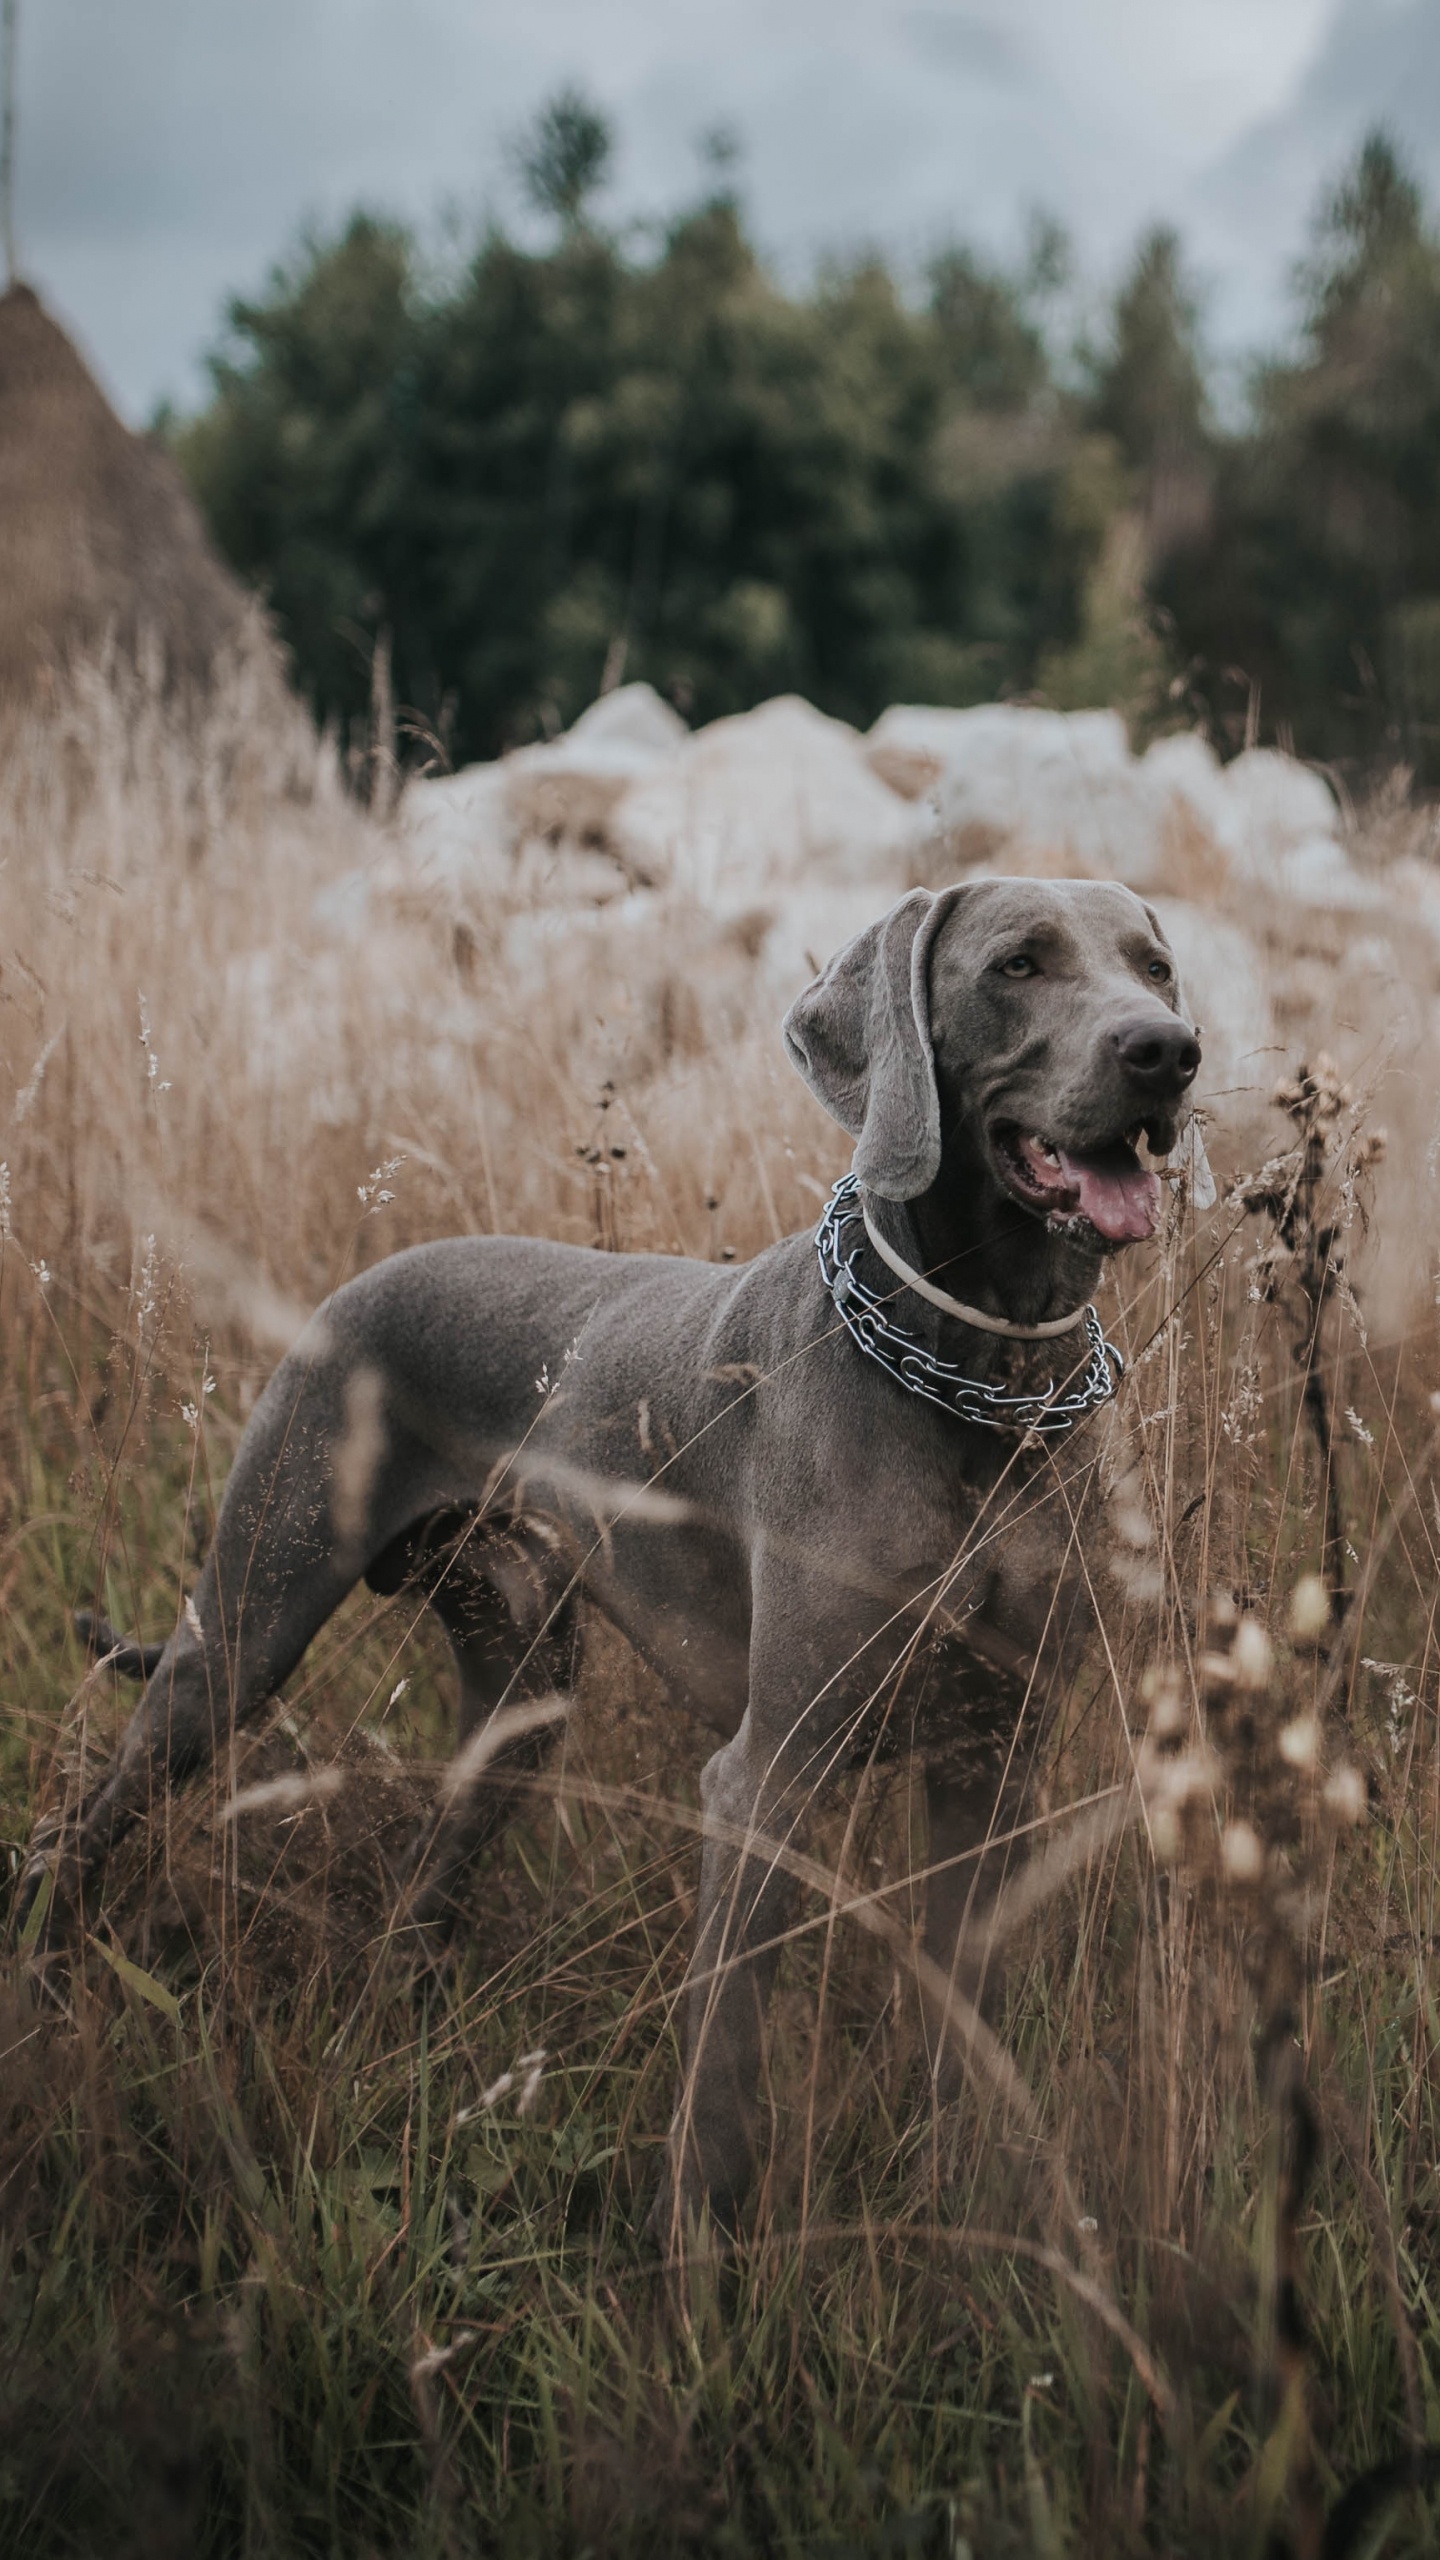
[
  {"x": 775, "y": 835},
  {"x": 630, "y": 903}
]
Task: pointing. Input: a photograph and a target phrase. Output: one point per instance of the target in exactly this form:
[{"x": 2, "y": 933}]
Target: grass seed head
[
  {"x": 1252, "y": 1656},
  {"x": 1309, "y": 1609},
  {"x": 1242, "y": 1853},
  {"x": 1344, "y": 1796}
]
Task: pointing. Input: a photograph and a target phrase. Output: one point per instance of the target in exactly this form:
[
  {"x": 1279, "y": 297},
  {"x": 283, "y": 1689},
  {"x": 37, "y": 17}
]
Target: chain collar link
[{"x": 1046, "y": 1415}]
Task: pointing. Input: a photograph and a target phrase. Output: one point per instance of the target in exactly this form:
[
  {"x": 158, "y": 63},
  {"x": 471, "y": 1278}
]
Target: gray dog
[{"x": 834, "y": 1496}]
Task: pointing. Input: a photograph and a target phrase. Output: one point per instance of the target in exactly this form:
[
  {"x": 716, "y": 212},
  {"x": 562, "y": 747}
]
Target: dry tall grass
[{"x": 289, "y": 2269}]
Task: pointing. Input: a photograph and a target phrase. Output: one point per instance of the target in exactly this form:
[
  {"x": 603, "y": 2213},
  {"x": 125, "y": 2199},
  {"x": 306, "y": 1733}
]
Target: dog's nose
[{"x": 1157, "y": 1053}]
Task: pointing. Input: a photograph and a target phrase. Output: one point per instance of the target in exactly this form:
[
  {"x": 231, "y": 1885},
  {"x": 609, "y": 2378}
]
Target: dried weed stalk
[
  {"x": 1244, "y": 1794},
  {"x": 1311, "y": 1196}
]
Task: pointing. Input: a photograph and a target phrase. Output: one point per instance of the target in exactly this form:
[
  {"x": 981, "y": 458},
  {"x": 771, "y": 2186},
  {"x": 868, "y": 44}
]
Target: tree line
[{"x": 551, "y": 468}]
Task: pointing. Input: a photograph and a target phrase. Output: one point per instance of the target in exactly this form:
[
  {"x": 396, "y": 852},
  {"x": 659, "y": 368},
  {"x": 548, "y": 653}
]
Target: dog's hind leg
[
  {"x": 968, "y": 1818},
  {"x": 132, "y": 1661},
  {"x": 234, "y": 1647},
  {"x": 507, "y": 1604},
  {"x": 756, "y": 1794},
  {"x": 324, "y": 1478}
]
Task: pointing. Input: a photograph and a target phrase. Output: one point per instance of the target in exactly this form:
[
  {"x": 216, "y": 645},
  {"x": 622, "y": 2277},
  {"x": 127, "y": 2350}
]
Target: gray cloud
[
  {"x": 969, "y": 44},
  {"x": 171, "y": 150},
  {"x": 1380, "y": 65}
]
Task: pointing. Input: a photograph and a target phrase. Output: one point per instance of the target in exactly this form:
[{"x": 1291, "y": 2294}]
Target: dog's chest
[{"x": 997, "y": 1590}]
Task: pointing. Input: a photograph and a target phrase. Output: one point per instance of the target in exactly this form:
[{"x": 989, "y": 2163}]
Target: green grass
[
  {"x": 278, "y": 2280},
  {"x": 279, "y": 2277}
]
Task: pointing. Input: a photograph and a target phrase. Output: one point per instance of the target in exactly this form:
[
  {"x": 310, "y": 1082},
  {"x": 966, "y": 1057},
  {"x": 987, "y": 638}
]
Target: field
[{"x": 294, "y": 2266}]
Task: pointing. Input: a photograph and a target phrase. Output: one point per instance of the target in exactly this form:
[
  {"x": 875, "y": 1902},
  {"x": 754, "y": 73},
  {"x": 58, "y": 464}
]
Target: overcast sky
[{"x": 171, "y": 150}]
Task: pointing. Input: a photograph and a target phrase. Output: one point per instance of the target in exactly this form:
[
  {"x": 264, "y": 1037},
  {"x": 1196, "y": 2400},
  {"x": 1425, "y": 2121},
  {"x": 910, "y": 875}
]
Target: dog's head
[{"x": 1040, "y": 1021}]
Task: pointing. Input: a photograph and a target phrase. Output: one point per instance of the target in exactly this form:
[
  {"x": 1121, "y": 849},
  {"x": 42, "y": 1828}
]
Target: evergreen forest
[{"x": 554, "y": 463}]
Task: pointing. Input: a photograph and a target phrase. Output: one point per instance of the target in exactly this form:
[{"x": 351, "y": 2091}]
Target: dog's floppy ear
[{"x": 860, "y": 1036}]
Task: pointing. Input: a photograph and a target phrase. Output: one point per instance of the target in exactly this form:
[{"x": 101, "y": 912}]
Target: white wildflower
[
  {"x": 147, "y": 1288},
  {"x": 1299, "y": 1742},
  {"x": 147, "y": 1043},
  {"x": 1237, "y": 1422},
  {"x": 1251, "y": 1655},
  {"x": 1344, "y": 1795},
  {"x": 1241, "y": 1853},
  {"x": 1309, "y": 1609},
  {"x": 371, "y": 1194},
  {"x": 526, "y": 2075}
]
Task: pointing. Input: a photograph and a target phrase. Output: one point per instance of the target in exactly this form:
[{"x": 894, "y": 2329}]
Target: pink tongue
[{"x": 1120, "y": 1198}]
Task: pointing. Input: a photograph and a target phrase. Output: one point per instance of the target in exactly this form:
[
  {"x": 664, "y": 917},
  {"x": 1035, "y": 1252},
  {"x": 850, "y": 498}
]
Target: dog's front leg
[
  {"x": 969, "y": 1820},
  {"x": 815, "y": 1668},
  {"x": 752, "y": 1796}
]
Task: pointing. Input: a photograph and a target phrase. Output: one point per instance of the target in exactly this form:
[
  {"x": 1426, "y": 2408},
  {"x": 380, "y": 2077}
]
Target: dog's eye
[
  {"x": 1161, "y": 971},
  {"x": 1019, "y": 965}
]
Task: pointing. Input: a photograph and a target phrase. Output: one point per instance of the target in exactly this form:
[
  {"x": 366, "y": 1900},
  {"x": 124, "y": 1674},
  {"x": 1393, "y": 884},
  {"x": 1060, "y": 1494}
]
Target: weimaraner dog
[{"x": 837, "y": 1497}]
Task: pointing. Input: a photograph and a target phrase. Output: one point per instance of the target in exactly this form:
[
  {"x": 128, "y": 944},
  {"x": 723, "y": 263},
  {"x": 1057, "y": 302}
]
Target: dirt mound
[{"x": 99, "y": 537}]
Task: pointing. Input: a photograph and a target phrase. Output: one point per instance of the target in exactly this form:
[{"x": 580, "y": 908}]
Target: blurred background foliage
[{"x": 586, "y": 457}]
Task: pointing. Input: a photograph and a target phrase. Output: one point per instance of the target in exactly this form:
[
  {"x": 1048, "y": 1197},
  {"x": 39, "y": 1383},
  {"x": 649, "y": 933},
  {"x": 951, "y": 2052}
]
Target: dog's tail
[{"x": 135, "y": 1661}]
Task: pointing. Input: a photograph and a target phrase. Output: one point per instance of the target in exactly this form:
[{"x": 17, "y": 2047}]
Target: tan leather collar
[{"x": 954, "y": 1307}]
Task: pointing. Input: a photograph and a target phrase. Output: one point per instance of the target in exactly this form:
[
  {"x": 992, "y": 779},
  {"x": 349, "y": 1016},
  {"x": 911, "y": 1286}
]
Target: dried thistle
[
  {"x": 1242, "y": 1796},
  {"x": 1310, "y": 1196}
]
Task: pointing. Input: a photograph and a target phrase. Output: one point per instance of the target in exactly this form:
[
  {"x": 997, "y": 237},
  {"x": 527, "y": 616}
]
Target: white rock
[
  {"x": 342, "y": 910},
  {"x": 1414, "y": 892},
  {"x": 462, "y": 826},
  {"x": 566, "y": 790},
  {"x": 1319, "y": 873},
  {"x": 1225, "y": 984},
  {"x": 629, "y": 798},
  {"x": 533, "y": 938},
  {"x": 1188, "y": 806},
  {"x": 773, "y": 795},
  {"x": 805, "y": 925},
  {"x": 457, "y": 825},
  {"x": 1061, "y": 790},
  {"x": 1047, "y": 784},
  {"x": 629, "y": 728},
  {"x": 1283, "y": 835},
  {"x": 1276, "y": 804}
]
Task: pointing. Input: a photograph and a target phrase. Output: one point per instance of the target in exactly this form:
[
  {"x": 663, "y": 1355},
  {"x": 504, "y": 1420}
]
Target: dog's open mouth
[{"x": 1109, "y": 1185}]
